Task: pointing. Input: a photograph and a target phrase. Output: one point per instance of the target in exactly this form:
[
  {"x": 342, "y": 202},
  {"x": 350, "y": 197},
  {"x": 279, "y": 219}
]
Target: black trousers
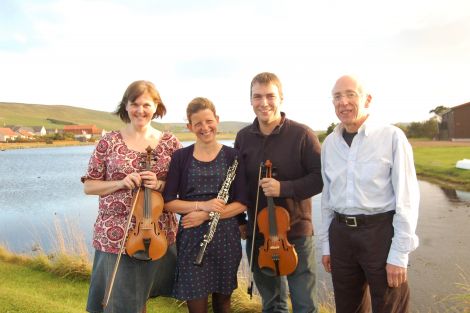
[{"x": 358, "y": 258}]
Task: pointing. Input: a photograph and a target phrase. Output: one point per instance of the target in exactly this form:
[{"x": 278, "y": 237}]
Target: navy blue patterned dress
[{"x": 218, "y": 273}]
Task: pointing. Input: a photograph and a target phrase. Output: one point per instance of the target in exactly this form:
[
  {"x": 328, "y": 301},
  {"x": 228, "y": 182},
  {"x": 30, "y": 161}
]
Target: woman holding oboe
[{"x": 206, "y": 182}]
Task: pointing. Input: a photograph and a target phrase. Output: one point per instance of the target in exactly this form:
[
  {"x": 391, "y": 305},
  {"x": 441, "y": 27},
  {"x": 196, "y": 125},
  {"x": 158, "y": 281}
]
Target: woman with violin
[
  {"x": 206, "y": 180},
  {"x": 280, "y": 195},
  {"x": 127, "y": 170}
]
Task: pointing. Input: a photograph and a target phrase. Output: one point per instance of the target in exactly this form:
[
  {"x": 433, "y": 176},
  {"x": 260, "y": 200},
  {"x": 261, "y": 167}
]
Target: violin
[
  {"x": 277, "y": 257},
  {"x": 147, "y": 241}
]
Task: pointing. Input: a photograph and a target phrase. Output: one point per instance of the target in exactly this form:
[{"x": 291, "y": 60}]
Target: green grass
[
  {"x": 24, "y": 289},
  {"x": 57, "y": 283},
  {"x": 438, "y": 164},
  {"x": 51, "y": 285}
]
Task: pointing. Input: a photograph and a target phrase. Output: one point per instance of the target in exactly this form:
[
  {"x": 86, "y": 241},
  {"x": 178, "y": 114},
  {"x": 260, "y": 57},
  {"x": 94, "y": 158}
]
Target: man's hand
[
  {"x": 326, "y": 263},
  {"x": 396, "y": 275},
  {"x": 271, "y": 187}
]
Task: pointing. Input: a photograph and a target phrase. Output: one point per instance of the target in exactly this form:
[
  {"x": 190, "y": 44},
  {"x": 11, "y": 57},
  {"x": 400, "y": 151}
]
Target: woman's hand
[
  {"x": 213, "y": 205},
  {"x": 194, "y": 219},
  {"x": 151, "y": 181},
  {"x": 131, "y": 181}
]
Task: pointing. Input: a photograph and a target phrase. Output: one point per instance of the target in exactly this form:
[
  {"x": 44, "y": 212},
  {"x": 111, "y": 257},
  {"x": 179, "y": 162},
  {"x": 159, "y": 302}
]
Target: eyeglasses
[{"x": 350, "y": 95}]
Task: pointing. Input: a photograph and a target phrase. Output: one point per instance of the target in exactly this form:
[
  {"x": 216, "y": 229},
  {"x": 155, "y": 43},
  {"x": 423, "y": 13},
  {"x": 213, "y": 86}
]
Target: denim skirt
[{"x": 135, "y": 281}]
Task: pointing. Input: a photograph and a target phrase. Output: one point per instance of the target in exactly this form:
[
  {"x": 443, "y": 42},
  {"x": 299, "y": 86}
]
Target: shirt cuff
[
  {"x": 398, "y": 258},
  {"x": 326, "y": 248}
]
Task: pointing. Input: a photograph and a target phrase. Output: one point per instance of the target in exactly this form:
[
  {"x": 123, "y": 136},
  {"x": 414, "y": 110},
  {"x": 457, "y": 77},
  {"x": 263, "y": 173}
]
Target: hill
[{"x": 56, "y": 116}]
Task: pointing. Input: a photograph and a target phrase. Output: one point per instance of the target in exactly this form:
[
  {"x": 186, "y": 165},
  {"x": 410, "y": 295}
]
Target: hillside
[{"x": 56, "y": 116}]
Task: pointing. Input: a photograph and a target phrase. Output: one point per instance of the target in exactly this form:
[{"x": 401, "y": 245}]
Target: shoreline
[
  {"x": 67, "y": 143},
  {"x": 444, "y": 181}
]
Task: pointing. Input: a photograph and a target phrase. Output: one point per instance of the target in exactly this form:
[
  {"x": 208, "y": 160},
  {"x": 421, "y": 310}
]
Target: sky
[{"x": 413, "y": 55}]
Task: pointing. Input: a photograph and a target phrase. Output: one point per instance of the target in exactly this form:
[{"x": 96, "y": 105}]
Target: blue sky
[{"x": 414, "y": 55}]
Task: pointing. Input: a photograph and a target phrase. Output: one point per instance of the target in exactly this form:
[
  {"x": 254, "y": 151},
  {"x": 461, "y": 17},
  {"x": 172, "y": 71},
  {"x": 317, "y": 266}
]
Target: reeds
[
  {"x": 69, "y": 257},
  {"x": 460, "y": 302}
]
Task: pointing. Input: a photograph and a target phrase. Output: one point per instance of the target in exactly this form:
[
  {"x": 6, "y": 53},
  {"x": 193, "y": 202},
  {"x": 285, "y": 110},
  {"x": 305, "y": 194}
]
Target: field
[{"x": 435, "y": 161}]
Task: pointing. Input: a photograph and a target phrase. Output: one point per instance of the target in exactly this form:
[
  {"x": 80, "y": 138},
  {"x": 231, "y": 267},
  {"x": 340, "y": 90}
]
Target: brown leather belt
[{"x": 362, "y": 219}]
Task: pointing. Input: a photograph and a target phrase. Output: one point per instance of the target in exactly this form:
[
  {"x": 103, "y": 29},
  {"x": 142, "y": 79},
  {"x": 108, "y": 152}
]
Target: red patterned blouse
[{"x": 113, "y": 160}]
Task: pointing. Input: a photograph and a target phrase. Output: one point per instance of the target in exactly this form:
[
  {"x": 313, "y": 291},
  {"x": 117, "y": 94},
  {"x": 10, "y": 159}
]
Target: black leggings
[{"x": 220, "y": 304}]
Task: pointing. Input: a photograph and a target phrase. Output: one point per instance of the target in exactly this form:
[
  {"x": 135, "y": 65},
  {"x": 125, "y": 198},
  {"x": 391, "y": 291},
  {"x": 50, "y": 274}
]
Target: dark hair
[
  {"x": 135, "y": 90},
  {"x": 198, "y": 104},
  {"x": 267, "y": 78}
]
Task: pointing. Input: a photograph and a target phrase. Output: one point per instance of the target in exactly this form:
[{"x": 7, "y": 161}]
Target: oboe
[{"x": 215, "y": 216}]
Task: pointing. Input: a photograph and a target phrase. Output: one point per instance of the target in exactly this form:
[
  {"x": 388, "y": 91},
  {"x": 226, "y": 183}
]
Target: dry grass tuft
[{"x": 460, "y": 302}]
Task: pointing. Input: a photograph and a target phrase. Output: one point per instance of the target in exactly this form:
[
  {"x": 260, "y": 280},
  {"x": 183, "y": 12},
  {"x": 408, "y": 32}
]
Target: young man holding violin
[{"x": 294, "y": 151}]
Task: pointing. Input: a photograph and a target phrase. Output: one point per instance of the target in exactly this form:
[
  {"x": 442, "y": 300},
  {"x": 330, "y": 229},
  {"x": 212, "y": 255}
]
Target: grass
[
  {"x": 437, "y": 164},
  {"x": 59, "y": 281},
  {"x": 460, "y": 302}
]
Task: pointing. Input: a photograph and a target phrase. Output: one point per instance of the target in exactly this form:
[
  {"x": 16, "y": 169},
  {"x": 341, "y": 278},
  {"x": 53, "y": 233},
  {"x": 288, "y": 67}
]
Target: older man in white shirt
[{"x": 369, "y": 206}]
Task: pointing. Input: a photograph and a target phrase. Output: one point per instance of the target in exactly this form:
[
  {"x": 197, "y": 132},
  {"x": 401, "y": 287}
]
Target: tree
[
  {"x": 426, "y": 129},
  {"x": 330, "y": 128},
  {"x": 439, "y": 110}
]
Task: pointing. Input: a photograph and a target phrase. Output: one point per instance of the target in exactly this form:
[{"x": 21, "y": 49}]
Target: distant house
[
  {"x": 25, "y": 134},
  {"x": 80, "y": 129},
  {"x": 82, "y": 132},
  {"x": 7, "y": 134},
  {"x": 35, "y": 130},
  {"x": 39, "y": 130},
  {"x": 52, "y": 131},
  {"x": 455, "y": 124}
]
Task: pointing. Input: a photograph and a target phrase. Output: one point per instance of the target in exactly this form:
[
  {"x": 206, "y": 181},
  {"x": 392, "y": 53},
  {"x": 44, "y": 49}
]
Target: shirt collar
[{"x": 369, "y": 125}]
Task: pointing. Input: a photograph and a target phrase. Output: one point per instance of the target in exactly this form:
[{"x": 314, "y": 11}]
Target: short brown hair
[
  {"x": 135, "y": 90},
  {"x": 198, "y": 104},
  {"x": 267, "y": 78}
]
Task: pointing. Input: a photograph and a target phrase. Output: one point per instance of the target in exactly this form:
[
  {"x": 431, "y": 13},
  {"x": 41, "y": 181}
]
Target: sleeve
[
  {"x": 97, "y": 165},
  {"x": 327, "y": 213},
  {"x": 312, "y": 183},
  {"x": 173, "y": 178},
  {"x": 406, "y": 188},
  {"x": 241, "y": 184}
]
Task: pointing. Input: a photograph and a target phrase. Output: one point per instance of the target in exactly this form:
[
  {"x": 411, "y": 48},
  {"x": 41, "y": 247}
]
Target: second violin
[{"x": 277, "y": 257}]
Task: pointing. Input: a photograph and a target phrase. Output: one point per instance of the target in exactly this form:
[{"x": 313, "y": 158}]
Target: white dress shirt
[{"x": 375, "y": 175}]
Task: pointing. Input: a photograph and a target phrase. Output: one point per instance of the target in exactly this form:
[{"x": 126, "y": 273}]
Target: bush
[{"x": 427, "y": 129}]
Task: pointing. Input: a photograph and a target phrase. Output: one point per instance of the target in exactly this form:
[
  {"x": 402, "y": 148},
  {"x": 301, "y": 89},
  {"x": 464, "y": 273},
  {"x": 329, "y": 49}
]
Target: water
[{"x": 40, "y": 186}]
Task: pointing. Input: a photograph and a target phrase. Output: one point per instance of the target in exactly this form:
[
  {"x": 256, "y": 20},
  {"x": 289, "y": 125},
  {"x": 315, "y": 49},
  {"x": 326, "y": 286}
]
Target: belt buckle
[{"x": 351, "y": 221}]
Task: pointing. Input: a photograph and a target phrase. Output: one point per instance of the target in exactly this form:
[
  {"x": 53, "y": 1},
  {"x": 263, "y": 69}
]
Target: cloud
[{"x": 85, "y": 53}]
